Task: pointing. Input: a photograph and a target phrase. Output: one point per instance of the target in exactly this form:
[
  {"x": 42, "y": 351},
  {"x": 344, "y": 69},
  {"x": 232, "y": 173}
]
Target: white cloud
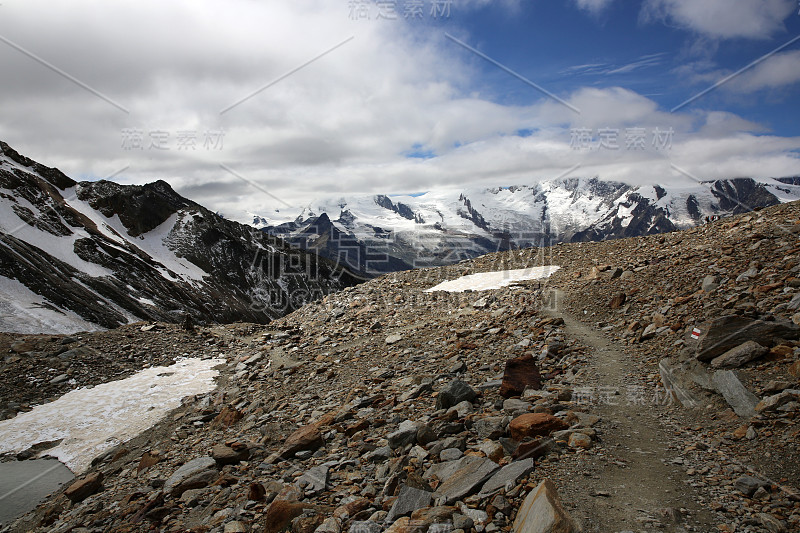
[
  {"x": 593, "y": 6},
  {"x": 776, "y": 71},
  {"x": 752, "y": 19},
  {"x": 343, "y": 124}
]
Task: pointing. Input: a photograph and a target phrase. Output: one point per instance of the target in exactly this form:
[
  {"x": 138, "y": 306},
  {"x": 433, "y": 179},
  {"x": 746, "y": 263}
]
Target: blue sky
[
  {"x": 563, "y": 47},
  {"x": 251, "y": 106}
]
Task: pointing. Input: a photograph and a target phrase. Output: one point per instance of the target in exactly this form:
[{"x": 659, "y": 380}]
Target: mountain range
[
  {"x": 86, "y": 255},
  {"x": 374, "y": 234},
  {"x": 78, "y": 256}
]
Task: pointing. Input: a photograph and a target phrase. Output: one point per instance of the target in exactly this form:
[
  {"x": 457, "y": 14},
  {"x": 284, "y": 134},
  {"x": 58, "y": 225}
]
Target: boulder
[
  {"x": 314, "y": 480},
  {"x": 408, "y": 500},
  {"x": 720, "y": 335},
  {"x": 535, "y": 425},
  {"x": 406, "y": 434},
  {"x": 520, "y": 373},
  {"x": 542, "y": 512},
  {"x": 775, "y": 401},
  {"x": 740, "y": 355},
  {"x": 491, "y": 427},
  {"x": 306, "y": 438},
  {"x": 466, "y": 480},
  {"x": 280, "y": 514},
  {"x": 195, "y": 474},
  {"x": 225, "y": 455},
  {"x": 454, "y": 393},
  {"x": 618, "y": 300},
  {"x": 738, "y": 397},
  {"x": 534, "y": 448},
  {"x": 83, "y": 488},
  {"x": 509, "y": 473}
]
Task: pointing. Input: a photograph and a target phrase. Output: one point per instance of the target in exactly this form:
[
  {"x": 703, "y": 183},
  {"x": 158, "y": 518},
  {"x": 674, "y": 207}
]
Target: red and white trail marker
[{"x": 696, "y": 333}]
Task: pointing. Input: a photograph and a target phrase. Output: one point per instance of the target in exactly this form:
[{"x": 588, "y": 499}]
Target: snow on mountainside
[
  {"x": 375, "y": 234},
  {"x": 89, "y": 255}
]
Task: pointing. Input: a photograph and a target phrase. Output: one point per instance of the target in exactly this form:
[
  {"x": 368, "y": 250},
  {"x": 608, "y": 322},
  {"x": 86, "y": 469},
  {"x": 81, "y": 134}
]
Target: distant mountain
[
  {"x": 377, "y": 234},
  {"x": 78, "y": 256}
]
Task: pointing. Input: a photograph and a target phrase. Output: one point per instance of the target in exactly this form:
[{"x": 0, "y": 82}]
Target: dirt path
[{"x": 633, "y": 486}]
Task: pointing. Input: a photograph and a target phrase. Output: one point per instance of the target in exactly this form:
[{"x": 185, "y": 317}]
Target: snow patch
[
  {"x": 92, "y": 421},
  {"x": 24, "y": 311},
  {"x": 494, "y": 280}
]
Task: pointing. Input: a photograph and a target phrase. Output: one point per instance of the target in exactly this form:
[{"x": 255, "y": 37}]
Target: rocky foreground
[{"x": 650, "y": 384}]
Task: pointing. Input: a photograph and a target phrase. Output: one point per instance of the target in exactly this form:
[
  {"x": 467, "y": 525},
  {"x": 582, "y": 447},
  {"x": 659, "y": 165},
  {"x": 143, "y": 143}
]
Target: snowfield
[
  {"x": 24, "y": 311},
  {"x": 494, "y": 280},
  {"x": 91, "y": 421}
]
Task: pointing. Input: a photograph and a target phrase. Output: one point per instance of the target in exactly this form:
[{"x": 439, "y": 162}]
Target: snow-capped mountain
[
  {"x": 89, "y": 255},
  {"x": 375, "y": 234}
]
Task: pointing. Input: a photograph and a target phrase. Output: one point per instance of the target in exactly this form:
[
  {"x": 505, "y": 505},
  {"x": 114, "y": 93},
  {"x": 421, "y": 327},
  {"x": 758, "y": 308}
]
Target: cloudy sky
[{"x": 248, "y": 106}]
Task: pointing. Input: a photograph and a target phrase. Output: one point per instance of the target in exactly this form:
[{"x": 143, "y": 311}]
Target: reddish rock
[
  {"x": 148, "y": 459},
  {"x": 257, "y": 492},
  {"x": 281, "y": 513},
  {"x": 782, "y": 351},
  {"x": 618, "y": 300},
  {"x": 542, "y": 512},
  {"x": 532, "y": 449},
  {"x": 83, "y": 488},
  {"x": 535, "y": 425},
  {"x": 520, "y": 373},
  {"x": 306, "y": 438},
  {"x": 794, "y": 369},
  {"x": 226, "y": 418}
]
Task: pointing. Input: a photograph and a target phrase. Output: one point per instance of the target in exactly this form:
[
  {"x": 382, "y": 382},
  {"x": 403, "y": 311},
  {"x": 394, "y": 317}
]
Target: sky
[{"x": 250, "y": 107}]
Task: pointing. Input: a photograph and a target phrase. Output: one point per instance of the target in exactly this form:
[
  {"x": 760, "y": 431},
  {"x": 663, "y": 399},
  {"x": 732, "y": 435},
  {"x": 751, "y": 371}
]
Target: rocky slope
[
  {"x": 378, "y": 234},
  {"x": 82, "y": 256},
  {"x": 385, "y": 406}
]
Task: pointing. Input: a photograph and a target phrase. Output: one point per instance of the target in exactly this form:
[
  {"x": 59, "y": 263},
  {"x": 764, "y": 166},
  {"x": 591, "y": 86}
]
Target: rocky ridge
[
  {"x": 380, "y": 406},
  {"x": 95, "y": 255}
]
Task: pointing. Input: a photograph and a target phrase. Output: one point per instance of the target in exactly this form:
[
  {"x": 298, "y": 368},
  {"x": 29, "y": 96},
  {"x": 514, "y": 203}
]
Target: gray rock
[
  {"x": 511, "y": 472},
  {"x": 747, "y": 274},
  {"x": 379, "y": 455},
  {"x": 408, "y": 501},
  {"x": 365, "y": 526},
  {"x": 747, "y": 485},
  {"x": 676, "y": 386},
  {"x": 491, "y": 427},
  {"x": 457, "y": 368},
  {"x": 462, "y": 409},
  {"x": 740, "y": 355},
  {"x": 393, "y": 339},
  {"x": 775, "y": 401},
  {"x": 195, "y": 474},
  {"x": 738, "y": 397},
  {"x": 443, "y": 471},
  {"x": 315, "y": 480},
  {"x": 514, "y": 405},
  {"x": 710, "y": 283},
  {"x": 794, "y": 303},
  {"x": 462, "y": 522},
  {"x": 722, "y": 334},
  {"x": 450, "y": 454},
  {"x": 417, "y": 391},
  {"x": 490, "y": 384},
  {"x": 59, "y": 379},
  {"x": 480, "y": 303},
  {"x": 82, "y": 352},
  {"x": 466, "y": 480},
  {"x": 454, "y": 393},
  {"x": 330, "y": 525},
  {"x": 649, "y": 331},
  {"x": 406, "y": 434}
]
